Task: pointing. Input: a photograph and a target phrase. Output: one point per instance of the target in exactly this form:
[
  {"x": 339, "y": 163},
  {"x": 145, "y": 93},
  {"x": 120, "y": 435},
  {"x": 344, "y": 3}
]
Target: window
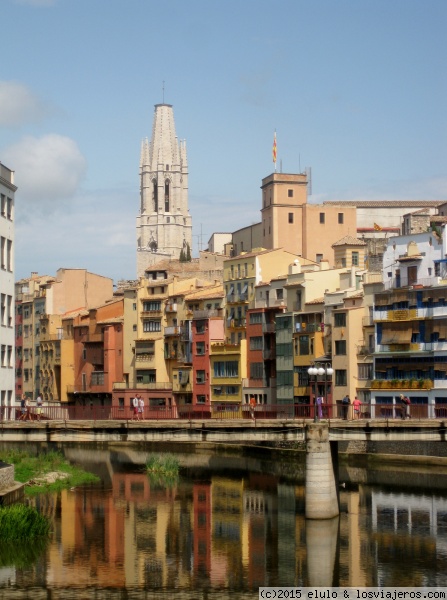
[
  {"x": 318, "y": 258},
  {"x": 303, "y": 345},
  {"x": 151, "y": 325},
  {"x": 340, "y": 218},
  {"x": 340, "y": 377},
  {"x": 322, "y": 218},
  {"x": 200, "y": 326},
  {"x": 201, "y": 399},
  {"x": 152, "y": 305},
  {"x": 340, "y": 347},
  {"x": 355, "y": 259},
  {"x": 200, "y": 348},
  {"x": 343, "y": 262},
  {"x": 256, "y": 370},
  {"x": 255, "y": 318},
  {"x": 290, "y": 193},
  {"x": 256, "y": 343},
  {"x": 290, "y": 217},
  {"x": 364, "y": 371},
  {"x": 228, "y": 368},
  {"x": 340, "y": 320},
  {"x": 120, "y": 403},
  {"x": 279, "y": 294},
  {"x": 200, "y": 376}
]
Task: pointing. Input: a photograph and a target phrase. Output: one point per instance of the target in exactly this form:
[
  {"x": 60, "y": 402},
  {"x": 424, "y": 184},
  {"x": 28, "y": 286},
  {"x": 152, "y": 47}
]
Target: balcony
[
  {"x": 404, "y": 282},
  {"x": 268, "y": 328},
  {"x": 91, "y": 337},
  {"x": 173, "y": 331},
  {"x": 140, "y": 385},
  {"x": 143, "y": 357},
  {"x": 152, "y": 313},
  {"x": 206, "y": 314},
  {"x": 413, "y": 347},
  {"x": 365, "y": 350},
  {"x": 171, "y": 307},
  {"x": 268, "y": 354}
]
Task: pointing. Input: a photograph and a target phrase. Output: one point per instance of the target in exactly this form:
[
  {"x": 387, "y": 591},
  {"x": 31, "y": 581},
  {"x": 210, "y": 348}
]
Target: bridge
[{"x": 320, "y": 438}]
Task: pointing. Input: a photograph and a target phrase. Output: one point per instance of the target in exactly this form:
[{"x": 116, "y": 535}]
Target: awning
[{"x": 397, "y": 335}]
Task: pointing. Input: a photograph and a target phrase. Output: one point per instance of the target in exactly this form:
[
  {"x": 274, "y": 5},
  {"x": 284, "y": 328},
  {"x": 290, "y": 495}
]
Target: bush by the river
[{"x": 19, "y": 523}]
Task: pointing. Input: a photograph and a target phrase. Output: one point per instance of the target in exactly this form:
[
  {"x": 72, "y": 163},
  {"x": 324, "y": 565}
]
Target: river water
[{"x": 229, "y": 525}]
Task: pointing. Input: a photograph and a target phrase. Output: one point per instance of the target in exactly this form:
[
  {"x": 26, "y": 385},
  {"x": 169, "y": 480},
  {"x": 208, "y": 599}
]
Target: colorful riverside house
[
  {"x": 199, "y": 303},
  {"x": 241, "y": 274},
  {"x": 411, "y": 326},
  {"x": 207, "y": 330},
  {"x": 98, "y": 353},
  {"x": 228, "y": 370}
]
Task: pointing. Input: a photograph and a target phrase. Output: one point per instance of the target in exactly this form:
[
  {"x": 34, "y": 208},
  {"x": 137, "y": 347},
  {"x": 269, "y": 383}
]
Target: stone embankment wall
[
  {"x": 398, "y": 448},
  {"x": 6, "y": 476}
]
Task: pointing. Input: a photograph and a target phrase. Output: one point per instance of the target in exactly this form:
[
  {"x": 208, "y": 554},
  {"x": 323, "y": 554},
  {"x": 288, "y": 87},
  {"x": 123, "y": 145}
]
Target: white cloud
[
  {"x": 47, "y": 169},
  {"x": 18, "y": 105}
]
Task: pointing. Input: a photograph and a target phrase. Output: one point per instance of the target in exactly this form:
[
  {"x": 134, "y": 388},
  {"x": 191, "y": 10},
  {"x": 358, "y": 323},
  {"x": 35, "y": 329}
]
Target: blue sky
[{"x": 355, "y": 89}]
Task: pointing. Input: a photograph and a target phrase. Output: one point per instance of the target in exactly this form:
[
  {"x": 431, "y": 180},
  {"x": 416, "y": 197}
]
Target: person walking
[
  {"x": 28, "y": 416},
  {"x": 141, "y": 408},
  {"x": 22, "y": 407},
  {"x": 345, "y": 403},
  {"x": 135, "y": 404},
  {"x": 39, "y": 404},
  {"x": 356, "y": 405},
  {"x": 319, "y": 403},
  {"x": 405, "y": 407},
  {"x": 252, "y": 407}
]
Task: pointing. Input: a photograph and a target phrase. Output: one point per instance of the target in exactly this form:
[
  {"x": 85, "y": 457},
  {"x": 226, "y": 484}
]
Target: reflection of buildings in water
[
  {"x": 202, "y": 528},
  {"x": 260, "y": 528},
  {"x": 227, "y": 513},
  {"x": 413, "y": 527}
]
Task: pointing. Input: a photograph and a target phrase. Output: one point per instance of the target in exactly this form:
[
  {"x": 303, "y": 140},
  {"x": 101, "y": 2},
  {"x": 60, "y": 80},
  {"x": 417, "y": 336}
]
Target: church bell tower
[{"x": 164, "y": 225}]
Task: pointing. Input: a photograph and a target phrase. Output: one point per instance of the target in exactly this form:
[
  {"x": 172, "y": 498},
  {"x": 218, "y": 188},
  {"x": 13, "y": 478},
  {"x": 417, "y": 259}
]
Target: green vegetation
[
  {"x": 34, "y": 469},
  {"x": 163, "y": 469},
  {"x": 20, "y": 522}
]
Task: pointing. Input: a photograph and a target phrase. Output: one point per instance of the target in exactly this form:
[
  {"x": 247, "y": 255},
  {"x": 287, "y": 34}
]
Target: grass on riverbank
[{"x": 33, "y": 469}]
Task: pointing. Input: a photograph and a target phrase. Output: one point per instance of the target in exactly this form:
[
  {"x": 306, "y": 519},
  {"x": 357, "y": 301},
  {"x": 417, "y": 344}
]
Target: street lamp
[{"x": 319, "y": 370}]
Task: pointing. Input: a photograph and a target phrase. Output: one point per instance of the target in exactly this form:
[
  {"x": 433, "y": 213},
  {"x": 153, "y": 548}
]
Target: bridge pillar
[{"x": 321, "y": 480}]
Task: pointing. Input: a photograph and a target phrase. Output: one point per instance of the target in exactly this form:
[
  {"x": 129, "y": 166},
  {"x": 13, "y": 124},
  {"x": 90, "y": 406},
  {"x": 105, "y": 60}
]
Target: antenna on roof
[{"x": 309, "y": 180}]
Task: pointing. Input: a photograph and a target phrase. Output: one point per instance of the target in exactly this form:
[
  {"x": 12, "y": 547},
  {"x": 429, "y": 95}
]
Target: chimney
[{"x": 324, "y": 264}]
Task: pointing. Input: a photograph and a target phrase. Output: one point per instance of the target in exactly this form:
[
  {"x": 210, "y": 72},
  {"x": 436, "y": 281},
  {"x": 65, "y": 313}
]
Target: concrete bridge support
[{"x": 322, "y": 501}]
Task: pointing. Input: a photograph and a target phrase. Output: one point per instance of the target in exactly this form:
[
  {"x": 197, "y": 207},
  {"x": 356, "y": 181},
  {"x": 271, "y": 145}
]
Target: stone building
[{"x": 164, "y": 225}]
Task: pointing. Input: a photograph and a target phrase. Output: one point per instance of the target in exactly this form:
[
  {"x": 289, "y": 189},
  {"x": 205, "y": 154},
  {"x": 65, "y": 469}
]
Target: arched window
[
  {"x": 167, "y": 195},
  {"x": 155, "y": 194}
]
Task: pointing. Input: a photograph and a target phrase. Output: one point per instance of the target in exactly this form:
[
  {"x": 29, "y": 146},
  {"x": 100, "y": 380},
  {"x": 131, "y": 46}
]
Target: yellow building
[
  {"x": 228, "y": 369},
  {"x": 241, "y": 274}
]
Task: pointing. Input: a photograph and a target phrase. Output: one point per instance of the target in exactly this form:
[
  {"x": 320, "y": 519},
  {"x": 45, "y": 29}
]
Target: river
[{"x": 229, "y": 525}]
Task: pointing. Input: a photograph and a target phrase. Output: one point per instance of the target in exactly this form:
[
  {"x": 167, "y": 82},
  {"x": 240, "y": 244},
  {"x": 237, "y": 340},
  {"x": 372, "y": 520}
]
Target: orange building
[{"x": 98, "y": 353}]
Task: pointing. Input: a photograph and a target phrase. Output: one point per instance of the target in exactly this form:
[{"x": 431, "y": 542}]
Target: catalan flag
[
  {"x": 377, "y": 227},
  {"x": 274, "y": 149}
]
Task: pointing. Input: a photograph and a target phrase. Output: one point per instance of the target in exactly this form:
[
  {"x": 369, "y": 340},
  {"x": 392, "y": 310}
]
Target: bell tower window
[
  {"x": 167, "y": 195},
  {"x": 155, "y": 195}
]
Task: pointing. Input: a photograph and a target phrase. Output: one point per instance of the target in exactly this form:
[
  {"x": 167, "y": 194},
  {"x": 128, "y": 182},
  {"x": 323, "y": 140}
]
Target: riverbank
[{"x": 45, "y": 472}]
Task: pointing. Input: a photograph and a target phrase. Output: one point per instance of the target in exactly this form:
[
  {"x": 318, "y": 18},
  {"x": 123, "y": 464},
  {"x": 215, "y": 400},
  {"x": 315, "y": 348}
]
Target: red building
[
  {"x": 206, "y": 330},
  {"x": 98, "y": 353}
]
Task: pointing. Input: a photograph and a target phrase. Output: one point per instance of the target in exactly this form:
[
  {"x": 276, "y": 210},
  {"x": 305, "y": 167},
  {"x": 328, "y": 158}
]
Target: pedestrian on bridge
[{"x": 345, "y": 404}]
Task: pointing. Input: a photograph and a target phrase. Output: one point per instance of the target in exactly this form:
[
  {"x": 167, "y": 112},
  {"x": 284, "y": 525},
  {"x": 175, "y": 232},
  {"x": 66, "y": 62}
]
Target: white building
[
  {"x": 410, "y": 317},
  {"x": 164, "y": 225},
  {"x": 7, "y": 361}
]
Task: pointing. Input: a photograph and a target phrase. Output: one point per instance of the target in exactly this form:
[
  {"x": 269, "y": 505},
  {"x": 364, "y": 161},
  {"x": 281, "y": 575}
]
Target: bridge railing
[{"x": 226, "y": 411}]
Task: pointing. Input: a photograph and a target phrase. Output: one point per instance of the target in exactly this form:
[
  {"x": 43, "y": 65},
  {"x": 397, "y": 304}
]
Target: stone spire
[{"x": 164, "y": 225}]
